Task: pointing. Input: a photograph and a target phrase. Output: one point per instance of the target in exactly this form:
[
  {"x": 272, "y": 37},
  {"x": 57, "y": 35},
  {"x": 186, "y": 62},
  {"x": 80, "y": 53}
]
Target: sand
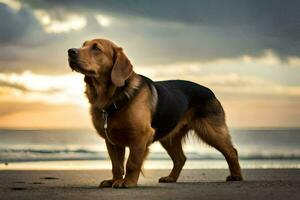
[{"x": 193, "y": 184}]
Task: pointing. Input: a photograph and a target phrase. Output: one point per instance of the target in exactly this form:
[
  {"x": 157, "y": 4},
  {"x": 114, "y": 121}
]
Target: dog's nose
[{"x": 73, "y": 52}]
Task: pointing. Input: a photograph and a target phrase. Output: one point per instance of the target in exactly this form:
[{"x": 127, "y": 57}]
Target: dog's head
[{"x": 101, "y": 58}]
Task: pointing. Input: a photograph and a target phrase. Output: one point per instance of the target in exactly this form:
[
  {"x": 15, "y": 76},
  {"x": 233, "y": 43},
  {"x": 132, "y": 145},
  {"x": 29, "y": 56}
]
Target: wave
[
  {"x": 27, "y": 155},
  {"x": 254, "y": 156},
  {"x": 46, "y": 151}
]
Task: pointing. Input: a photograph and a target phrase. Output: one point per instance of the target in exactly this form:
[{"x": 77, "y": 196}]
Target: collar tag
[
  {"x": 104, "y": 116},
  {"x": 105, "y": 126}
]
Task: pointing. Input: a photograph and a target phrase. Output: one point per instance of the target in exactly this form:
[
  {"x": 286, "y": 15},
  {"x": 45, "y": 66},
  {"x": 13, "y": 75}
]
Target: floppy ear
[{"x": 122, "y": 68}]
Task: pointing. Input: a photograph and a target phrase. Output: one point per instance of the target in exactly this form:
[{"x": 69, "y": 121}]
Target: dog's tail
[{"x": 212, "y": 129}]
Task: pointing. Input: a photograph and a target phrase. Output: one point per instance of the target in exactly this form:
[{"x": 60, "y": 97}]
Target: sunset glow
[{"x": 255, "y": 74}]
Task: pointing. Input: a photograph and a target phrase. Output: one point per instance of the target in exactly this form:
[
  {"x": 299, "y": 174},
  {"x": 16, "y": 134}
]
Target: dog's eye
[{"x": 96, "y": 48}]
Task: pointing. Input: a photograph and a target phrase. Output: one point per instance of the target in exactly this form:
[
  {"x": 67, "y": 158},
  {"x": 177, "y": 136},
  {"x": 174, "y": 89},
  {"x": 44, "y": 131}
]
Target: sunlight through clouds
[
  {"x": 294, "y": 61},
  {"x": 227, "y": 84},
  {"x": 69, "y": 23},
  {"x": 68, "y": 88},
  {"x": 267, "y": 58},
  {"x": 14, "y": 4},
  {"x": 103, "y": 20},
  {"x": 221, "y": 76}
]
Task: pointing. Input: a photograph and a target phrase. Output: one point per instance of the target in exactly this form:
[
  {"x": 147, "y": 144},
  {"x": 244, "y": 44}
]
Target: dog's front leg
[
  {"x": 135, "y": 160},
  {"x": 117, "y": 155}
]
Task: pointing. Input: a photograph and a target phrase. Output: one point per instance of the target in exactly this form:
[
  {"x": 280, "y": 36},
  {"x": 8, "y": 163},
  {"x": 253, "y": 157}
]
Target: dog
[{"x": 131, "y": 110}]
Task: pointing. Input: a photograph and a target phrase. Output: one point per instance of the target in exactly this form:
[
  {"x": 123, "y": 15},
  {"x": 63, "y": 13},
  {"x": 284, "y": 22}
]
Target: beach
[
  {"x": 70, "y": 164},
  {"x": 192, "y": 184}
]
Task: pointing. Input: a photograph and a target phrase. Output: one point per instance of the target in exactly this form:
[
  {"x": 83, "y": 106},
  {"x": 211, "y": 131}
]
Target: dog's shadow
[{"x": 159, "y": 186}]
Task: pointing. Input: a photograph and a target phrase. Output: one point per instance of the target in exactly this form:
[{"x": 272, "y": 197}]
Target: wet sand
[{"x": 193, "y": 184}]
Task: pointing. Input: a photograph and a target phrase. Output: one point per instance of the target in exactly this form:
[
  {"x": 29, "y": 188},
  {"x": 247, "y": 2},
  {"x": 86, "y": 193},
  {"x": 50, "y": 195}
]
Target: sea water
[{"x": 84, "y": 149}]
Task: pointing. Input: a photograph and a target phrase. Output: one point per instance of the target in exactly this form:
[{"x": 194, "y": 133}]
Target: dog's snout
[{"x": 73, "y": 52}]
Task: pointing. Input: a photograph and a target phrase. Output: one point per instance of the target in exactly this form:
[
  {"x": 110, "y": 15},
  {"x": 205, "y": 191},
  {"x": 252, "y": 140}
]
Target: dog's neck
[{"x": 101, "y": 92}]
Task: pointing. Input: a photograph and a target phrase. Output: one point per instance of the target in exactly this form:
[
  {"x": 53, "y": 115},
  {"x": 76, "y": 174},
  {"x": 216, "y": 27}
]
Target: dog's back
[
  {"x": 175, "y": 98},
  {"x": 194, "y": 93}
]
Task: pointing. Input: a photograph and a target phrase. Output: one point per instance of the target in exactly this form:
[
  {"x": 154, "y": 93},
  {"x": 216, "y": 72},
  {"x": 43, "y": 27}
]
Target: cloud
[
  {"x": 192, "y": 31},
  {"x": 229, "y": 85},
  {"x": 294, "y": 61},
  {"x": 22, "y": 88},
  {"x": 30, "y": 87},
  {"x": 13, "y": 85},
  {"x": 15, "y": 24},
  {"x": 266, "y": 66},
  {"x": 254, "y": 25},
  {"x": 103, "y": 20},
  {"x": 26, "y": 82},
  {"x": 67, "y": 23},
  {"x": 13, "y": 4},
  {"x": 30, "y": 42}
]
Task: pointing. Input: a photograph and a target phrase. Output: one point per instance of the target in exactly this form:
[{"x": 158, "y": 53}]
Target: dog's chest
[{"x": 116, "y": 131}]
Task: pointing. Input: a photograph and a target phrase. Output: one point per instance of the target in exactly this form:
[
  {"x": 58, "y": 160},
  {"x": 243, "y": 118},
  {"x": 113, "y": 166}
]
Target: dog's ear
[{"x": 122, "y": 68}]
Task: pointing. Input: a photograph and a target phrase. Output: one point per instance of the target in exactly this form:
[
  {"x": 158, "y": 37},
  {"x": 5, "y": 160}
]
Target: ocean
[{"x": 84, "y": 149}]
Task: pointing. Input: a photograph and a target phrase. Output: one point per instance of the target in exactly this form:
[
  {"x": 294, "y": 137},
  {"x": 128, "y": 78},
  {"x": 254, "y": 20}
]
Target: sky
[{"x": 247, "y": 52}]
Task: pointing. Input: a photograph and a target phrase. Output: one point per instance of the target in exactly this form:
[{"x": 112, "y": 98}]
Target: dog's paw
[
  {"x": 234, "y": 178},
  {"x": 167, "y": 179},
  {"x": 124, "y": 183},
  {"x": 106, "y": 183}
]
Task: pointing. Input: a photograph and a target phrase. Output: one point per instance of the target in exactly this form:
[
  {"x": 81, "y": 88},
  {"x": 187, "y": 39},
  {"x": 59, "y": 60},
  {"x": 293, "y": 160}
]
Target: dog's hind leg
[
  {"x": 212, "y": 129},
  {"x": 173, "y": 146}
]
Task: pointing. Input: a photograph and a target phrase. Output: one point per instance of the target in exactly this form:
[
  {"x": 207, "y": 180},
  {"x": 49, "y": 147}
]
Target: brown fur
[{"x": 106, "y": 68}]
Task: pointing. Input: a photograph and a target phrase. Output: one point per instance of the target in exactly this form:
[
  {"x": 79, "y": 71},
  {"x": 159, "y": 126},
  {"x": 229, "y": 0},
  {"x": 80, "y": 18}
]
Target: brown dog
[{"x": 130, "y": 110}]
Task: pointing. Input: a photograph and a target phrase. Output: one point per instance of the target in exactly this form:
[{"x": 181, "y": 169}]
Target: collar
[{"x": 125, "y": 95}]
